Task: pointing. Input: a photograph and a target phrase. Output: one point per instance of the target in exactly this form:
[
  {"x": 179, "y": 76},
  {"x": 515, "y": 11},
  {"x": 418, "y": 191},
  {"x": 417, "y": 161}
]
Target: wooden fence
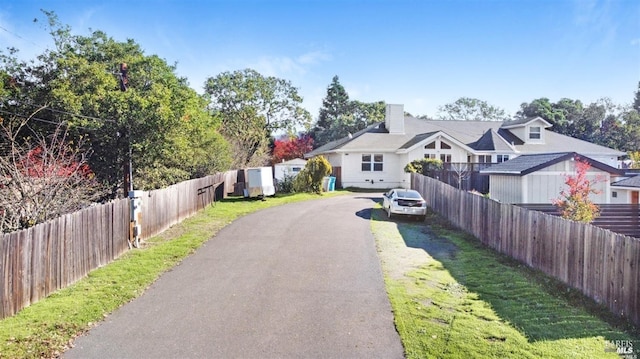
[
  {"x": 37, "y": 261},
  {"x": 619, "y": 218},
  {"x": 165, "y": 207},
  {"x": 602, "y": 264}
]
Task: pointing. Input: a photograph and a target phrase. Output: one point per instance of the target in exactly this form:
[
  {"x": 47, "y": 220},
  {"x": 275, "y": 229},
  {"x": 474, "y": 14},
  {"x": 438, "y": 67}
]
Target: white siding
[
  {"x": 335, "y": 159},
  {"x": 458, "y": 154},
  {"x": 288, "y": 168},
  {"x": 391, "y": 176},
  {"x": 506, "y": 189},
  {"x": 607, "y": 160},
  {"x": 545, "y": 185},
  {"x": 623, "y": 195}
]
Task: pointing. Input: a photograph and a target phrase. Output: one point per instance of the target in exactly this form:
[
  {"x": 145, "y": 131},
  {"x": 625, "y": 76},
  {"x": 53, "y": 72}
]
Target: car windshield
[{"x": 409, "y": 194}]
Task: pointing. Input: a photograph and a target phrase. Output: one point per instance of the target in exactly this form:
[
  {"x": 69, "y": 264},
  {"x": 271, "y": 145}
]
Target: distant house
[
  {"x": 539, "y": 178},
  {"x": 376, "y": 156},
  {"x": 288, "y": 168},
  {"x": 626, "y": 190}
]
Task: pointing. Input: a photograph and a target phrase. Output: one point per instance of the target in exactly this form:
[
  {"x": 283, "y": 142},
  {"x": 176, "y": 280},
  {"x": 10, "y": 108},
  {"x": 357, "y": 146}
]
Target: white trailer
[{"x": 259, "y": 182}]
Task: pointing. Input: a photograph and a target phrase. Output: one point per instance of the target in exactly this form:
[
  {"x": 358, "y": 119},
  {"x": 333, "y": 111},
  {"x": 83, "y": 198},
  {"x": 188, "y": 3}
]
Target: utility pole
[{"x": 127, "y": 185}]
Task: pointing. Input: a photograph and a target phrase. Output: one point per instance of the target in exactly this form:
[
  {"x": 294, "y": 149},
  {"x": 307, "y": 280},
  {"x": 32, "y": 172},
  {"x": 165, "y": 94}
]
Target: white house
[
  {"x": 288, "y": 168},
  {"x": 376, "y": 156}
]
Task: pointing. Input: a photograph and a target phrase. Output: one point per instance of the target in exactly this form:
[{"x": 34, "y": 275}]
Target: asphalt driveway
[{"x": 301, "y": 280}]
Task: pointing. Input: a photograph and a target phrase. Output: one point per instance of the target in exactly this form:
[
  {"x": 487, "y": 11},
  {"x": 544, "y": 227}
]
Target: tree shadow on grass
[{"x": 542, "y": 308}]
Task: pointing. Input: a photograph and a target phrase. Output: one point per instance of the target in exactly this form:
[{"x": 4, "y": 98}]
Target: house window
[
  {"x": 445, "y": 158},
  {"x": 614, "y": 194},
  {"x": 534, "y": 133},
  {"x": 502, "y": 158},
  {"x": 444, "y": 146},
  {"x": 431, "y": 145},
  {"x": 296, "y": 169},
  {"x": 430, "y": 155},
  {"x": 484, "y": 159},
  {"x": 372, "y": 162}
]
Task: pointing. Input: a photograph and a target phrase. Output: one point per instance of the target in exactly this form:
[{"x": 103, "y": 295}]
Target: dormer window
[{"x": 534, "y": 133}]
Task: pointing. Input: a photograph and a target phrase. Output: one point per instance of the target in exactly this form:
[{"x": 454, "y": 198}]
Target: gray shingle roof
[
  {"x": 628, "y": 182},
  {"x": 471, "y": 133},
  {"x": 525, "y": 164},
  {"x": 492, "y": 141},
  {"x": 523, "y": 121}
]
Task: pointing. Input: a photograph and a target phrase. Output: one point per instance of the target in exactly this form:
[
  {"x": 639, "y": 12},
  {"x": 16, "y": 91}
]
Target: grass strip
[
  {"x": 46, "y": 328},
  {"x": 454, "y": 298}
]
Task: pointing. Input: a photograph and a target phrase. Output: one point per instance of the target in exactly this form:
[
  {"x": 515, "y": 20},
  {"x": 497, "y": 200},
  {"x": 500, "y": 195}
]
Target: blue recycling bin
[{"x": 332, "y": 184}]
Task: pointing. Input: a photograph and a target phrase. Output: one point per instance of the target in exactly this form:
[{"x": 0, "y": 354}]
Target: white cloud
[
  {"x": 314, "y": 57},
  {"x": 285, "y": 66},
  {"x": 595, "y": 19}
]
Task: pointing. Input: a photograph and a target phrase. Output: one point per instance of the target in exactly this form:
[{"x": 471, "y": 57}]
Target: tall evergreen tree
[
  {"x": 340, "y": 116},
  {"x": 636, "y": 100},
  {"x": 335, "y": 105}
]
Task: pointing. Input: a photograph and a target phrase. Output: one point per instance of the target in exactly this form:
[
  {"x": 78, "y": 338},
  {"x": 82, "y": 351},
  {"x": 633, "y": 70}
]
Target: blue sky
[{"x": 423, "y": 54}]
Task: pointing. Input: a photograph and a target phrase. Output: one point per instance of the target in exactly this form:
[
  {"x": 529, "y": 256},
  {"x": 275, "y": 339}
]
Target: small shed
[
  {"x": 539, "y": 178},
  {"x": 288, "y": 168}
]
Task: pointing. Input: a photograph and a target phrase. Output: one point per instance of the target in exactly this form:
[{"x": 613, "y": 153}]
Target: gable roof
[
  {"x": 477, "y": 135},
  {"x": 628, "y": 182},
  {"x": 525, "y": 121},
  {"x": 525, "y": 164},
  {"x": 492, "y": 141}
]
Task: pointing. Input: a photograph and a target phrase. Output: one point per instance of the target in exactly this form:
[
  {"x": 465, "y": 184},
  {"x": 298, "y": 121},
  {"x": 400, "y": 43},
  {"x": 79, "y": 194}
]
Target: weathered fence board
[
  {"x": 49, "y": 256},
  {"x": 604, "y": 265}
]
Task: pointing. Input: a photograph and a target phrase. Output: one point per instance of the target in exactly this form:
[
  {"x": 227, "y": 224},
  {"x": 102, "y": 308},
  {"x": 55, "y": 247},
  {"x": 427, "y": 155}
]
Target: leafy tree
[
  {"x": 471, "y": 109},
  {"x": 251, "y": 107},
  {"x": 290, "y": 148},
  {"x": 366, "y": 114},
  {"x": 634, "y": 156},
  {"x": 311, "y": 177},
  {"x": 631, "y": 124},
  {"x": 159, "y": 123},
  {"x": 424, "y": 166},
  {"x": 612, "y": 133},
  {"x": 340, "y": 116},
  {"x": 599, "y": 122},
  {"x": 574, "y": 202},
  {"x": 542, "y": 107}
]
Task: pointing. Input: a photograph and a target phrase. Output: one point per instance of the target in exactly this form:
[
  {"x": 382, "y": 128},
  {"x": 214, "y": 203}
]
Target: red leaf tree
[
  {"x": 290, "y": 148},
  {"x": 574, "y": 202}
]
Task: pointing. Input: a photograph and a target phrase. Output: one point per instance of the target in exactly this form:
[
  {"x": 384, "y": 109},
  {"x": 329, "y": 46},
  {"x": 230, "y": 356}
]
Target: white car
[{"x": 404, "y": 201}]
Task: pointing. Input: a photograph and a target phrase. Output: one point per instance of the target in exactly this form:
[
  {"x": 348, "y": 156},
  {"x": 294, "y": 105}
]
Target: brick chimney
[{"x": 394, "y": 119}]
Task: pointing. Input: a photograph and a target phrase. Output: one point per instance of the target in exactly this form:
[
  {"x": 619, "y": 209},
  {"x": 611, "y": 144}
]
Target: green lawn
[{"x": 453, "y": 298}]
